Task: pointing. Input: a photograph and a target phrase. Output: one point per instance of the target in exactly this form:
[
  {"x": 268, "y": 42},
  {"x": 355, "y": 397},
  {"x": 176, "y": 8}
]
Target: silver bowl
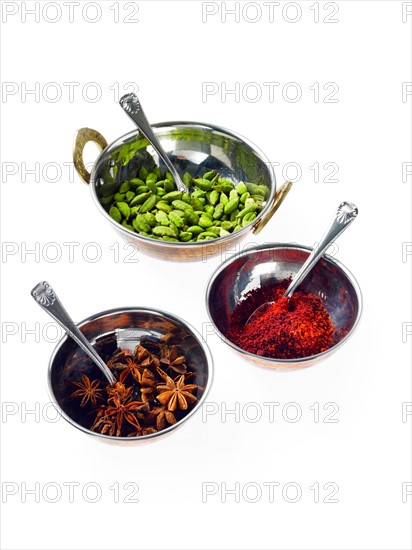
[
  {"x": 124, "y": 328},
  {"x": 263, "y": 265},
  {"x": 192, "y": 147}
]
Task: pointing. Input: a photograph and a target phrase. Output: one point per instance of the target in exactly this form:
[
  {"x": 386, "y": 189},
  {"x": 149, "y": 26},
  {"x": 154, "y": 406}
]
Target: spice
[
  {"x": 289, "y": 328},
  {"x": 145, "y": 399},
  {"x": 88, "y": 391},
  {"x": 148, "y": 203}
]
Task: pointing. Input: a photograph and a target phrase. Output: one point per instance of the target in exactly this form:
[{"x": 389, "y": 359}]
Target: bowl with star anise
[{"x": 163, "y": 373}]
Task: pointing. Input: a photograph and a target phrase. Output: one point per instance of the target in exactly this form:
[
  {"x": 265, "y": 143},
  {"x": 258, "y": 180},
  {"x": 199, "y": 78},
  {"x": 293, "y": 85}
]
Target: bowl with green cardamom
[{"x": 232, "y": 189}]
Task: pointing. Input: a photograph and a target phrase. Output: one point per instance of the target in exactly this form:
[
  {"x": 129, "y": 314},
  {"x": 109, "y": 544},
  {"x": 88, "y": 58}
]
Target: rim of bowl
[
  {"x": 273, "y": 246},
  {"x": 112, "y": 146},
  {"x": 167, "y": 430}
]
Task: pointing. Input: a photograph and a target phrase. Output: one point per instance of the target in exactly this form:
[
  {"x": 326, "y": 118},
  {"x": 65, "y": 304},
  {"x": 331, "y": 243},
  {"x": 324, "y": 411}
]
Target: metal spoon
[
  {"x": 131, "y": 105},
  {"x": 48, "y": 300},
  {"x": 344, "y": 216}
]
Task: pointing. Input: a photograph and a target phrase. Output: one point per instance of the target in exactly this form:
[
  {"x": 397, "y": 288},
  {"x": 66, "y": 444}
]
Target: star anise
[
  {"x": 104, "y": 424},
  {"x": 148, "y": 386},
  {"x": 118, "y": 359},
  {"x": 88, "y": 391},
  {"x": 132, "y": 368},
  {"x": 163, "y": 417},
  {"x": 175, "y": 394},
  {"x": 119, "y": 410},
  {"x": 119, "y": 389},
  {"x": 145, "y": 358},
  {"x": 173, "y": 360}
]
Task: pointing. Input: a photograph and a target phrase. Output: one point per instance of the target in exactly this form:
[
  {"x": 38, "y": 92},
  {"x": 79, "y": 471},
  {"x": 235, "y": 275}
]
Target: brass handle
[
  {"x": 277, "y": 201},
  {"x": 83, "y": 136}
]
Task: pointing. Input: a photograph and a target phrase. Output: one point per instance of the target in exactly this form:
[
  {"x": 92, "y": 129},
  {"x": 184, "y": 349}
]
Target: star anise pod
[
  {"x": 173, "y": 360},
  {"x": 148, "y": 386},
  {"x": 124, "y": 412},
  {"x": 103, "y": 423},
  {"x": 88, "y": 391},
  {"x": 120, "y": 410},
  {"x": 132, "y": 368},
  {"x": 118, "y": 359},
  {"x": 145, "y": 358},
  {"x": 119, "y": 389},
  {"x": 163, "y": 417},
  {"x": 175, "y": 394}
]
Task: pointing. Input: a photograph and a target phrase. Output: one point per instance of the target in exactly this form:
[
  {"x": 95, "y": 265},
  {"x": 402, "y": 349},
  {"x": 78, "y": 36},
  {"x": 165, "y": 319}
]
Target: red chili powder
[{"x": 287, "y": 329}]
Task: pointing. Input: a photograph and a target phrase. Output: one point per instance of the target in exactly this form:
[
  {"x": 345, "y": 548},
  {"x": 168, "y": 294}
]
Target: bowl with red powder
[{"x": 287, "y": 333}]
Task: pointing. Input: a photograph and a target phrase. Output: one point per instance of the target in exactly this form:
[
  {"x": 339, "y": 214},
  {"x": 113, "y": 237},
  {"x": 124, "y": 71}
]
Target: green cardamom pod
[
  {"x": 227, "y": 226},
  {"x": 248, "y": 218},
  {"x": 143, "y": 173},
  {"x": 115, "y": 214},
  {"x": 107, "y": 200},
  {"x": 180, "y": 205},
  {"x": 151, "y": 219},
  {"x": 187, "y": 179},
  {"x": 119, "y": 196},
  {"x": 136, "y": 182},
  {"x": 214, "y": 197},
  {"x": 223, "y": 198},
  {"x": 195, "y": 229},
  {"x": 151, "y": 185},
  {"x": 124, "y": 209},
  {"x": 169, "y": 177},
  {"x": 169, "y": 186},
  {"x": 163, "y": 231},
  {"x": 161, "y": 217},
  {"x": 161, "y": 205},
  {"x": 247, "y": 210},
  {"x": 148, "y": 204},
  {"x": 172, "y": 196},
  {"x": 218, "y": 213},
  {"x": 203, "y": 184},
  {"x": 176, "y": 219},
  {"x": 231, "y": 205},
  {"x": 192, "y": 217},
  {"x": 241, "y": 188},
  {"x": 140, "y": 224},
  {"x": 125, "y": 187},
  {"x": 205, "y": 221},
  {"x": 185, "y": 236},
  {"x": 140, "y": 199}
]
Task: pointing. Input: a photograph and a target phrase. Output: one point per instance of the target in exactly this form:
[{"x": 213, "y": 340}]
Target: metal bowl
[
  {"x": 124, "y": 328},
  {"x": 192, "y": 147},
  {"x": 262, "y": 265}
]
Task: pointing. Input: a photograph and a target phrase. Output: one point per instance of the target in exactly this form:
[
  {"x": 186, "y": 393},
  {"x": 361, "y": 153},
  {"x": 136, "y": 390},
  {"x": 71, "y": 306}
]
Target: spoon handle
[
  {"x": 131, "y": 105},
  {"x": 344, "y": 216},
  {"x": 47, "y": 299}
]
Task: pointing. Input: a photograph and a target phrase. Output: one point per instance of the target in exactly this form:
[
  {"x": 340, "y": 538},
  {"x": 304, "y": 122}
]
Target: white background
[{"x": 169, "y": 53}]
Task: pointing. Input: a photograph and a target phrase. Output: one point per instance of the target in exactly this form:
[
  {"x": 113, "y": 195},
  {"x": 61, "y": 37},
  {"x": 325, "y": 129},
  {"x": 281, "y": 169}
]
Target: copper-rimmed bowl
[
  {"x": 125, "y": 328},
  {"x": 193, "y": 147},
  {"x": 263, "y": 265}
]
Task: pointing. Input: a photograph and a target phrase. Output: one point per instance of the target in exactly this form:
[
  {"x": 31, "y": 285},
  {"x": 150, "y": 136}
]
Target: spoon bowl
[{"x": 345, "y": 215}]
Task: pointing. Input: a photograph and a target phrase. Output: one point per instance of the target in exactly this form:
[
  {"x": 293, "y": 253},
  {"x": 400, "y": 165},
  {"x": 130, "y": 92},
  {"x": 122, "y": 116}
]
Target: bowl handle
[
  {"x": 277, "y": 201},
  {"x": 83, "y": 136}
]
